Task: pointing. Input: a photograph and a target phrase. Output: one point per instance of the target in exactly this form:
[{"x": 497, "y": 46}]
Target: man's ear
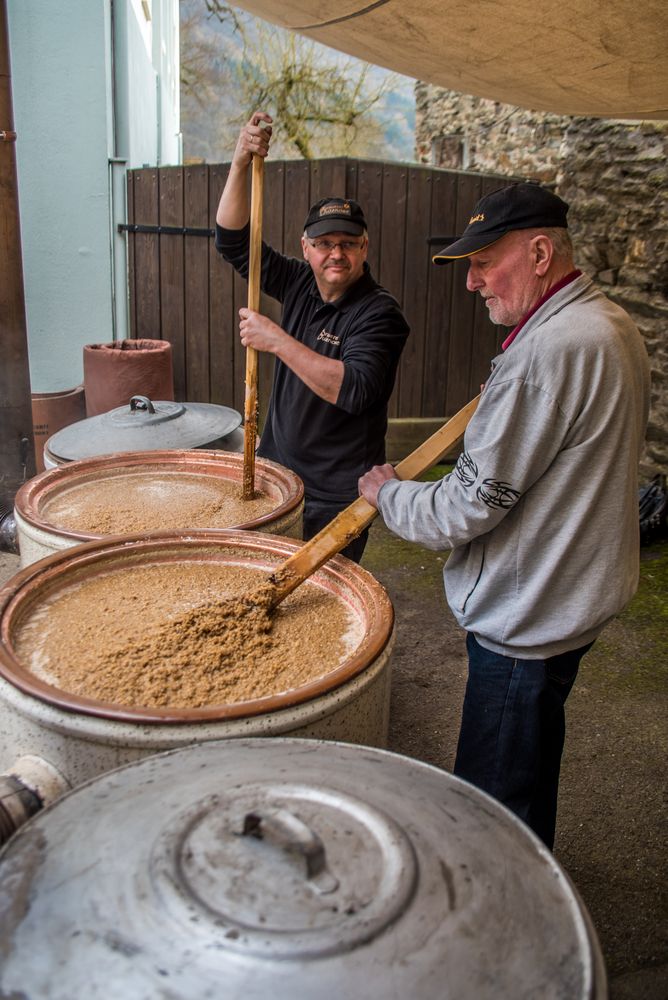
[
  {"x": 543, "y": 253},
  {"x": 304, "y": 245}
]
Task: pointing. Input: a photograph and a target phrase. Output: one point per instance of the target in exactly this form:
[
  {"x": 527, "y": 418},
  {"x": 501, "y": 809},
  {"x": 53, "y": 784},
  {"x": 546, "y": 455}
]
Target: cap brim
[
  {"x": 466, "y": 246},
  {"x": 334, "y": 225}
]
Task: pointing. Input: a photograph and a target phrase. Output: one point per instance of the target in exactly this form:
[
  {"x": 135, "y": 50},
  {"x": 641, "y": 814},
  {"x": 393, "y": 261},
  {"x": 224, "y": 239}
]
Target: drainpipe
[
  {"x": 118, "y": 248},
  {"x": 117, "y": 209}
]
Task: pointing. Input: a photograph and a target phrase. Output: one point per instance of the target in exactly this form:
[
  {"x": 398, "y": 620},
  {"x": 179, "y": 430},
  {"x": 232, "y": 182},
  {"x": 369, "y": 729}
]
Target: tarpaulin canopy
[{"x": 601, "y": 58}]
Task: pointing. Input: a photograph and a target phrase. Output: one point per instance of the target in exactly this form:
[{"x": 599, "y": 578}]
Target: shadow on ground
[{"x": 612, "y": 807}]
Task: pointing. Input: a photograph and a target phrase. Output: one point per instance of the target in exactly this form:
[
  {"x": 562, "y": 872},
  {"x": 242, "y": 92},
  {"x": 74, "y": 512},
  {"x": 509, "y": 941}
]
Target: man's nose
[{"x": 473, "y": 279}]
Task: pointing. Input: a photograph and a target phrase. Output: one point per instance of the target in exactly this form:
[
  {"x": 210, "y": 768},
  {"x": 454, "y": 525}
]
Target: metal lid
[
  {"x": 144, "y": 425},
  {"x": 288, "y": 868}
]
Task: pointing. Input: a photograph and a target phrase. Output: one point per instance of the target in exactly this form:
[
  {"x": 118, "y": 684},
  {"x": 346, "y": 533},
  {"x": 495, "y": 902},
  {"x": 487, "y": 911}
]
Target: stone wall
[{"x": 613, "y": 174}]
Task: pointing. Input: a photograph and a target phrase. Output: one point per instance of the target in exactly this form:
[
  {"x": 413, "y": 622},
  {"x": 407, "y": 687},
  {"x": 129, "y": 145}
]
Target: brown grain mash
[
  {"x": 143, "y": 501},
  {"x": 182, "y": 635}
]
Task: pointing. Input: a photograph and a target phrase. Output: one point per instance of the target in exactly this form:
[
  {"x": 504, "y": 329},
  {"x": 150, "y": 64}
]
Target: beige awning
[{"x": 605, "y": 58}]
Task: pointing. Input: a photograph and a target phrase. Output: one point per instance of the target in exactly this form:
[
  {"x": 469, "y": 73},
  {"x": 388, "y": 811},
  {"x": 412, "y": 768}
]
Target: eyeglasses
[{"x": 328, "y": 245}]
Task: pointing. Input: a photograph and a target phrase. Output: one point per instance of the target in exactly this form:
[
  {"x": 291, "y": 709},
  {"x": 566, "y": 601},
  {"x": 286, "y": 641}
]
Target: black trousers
[
  {"x": 318, "y": 513},
  {"x": 513, "y": 729}
]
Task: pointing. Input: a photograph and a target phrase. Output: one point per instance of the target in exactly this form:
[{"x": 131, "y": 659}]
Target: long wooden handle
[
  {"x": 355, "y": 518},
  {"x": 254, "y": 271}
]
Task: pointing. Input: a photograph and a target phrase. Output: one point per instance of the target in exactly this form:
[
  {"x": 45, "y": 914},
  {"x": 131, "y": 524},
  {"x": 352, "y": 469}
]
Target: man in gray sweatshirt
[{"x": 541, "y": 510}]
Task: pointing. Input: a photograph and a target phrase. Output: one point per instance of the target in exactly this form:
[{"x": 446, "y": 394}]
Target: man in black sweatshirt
[{"x": 337, "y": 346}]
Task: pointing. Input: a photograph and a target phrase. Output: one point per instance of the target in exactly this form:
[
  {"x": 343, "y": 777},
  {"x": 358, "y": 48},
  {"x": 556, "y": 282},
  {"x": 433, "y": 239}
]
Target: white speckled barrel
[{"x": 39, "y": 536}]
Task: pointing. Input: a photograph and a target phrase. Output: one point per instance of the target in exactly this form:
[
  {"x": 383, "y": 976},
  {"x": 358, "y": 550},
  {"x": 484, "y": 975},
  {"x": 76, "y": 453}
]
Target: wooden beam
[{"x": 17, "y": 455}]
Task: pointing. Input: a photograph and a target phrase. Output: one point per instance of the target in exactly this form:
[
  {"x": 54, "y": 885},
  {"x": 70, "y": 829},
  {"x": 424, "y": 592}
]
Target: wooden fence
[{"x": 183, "y": 292}]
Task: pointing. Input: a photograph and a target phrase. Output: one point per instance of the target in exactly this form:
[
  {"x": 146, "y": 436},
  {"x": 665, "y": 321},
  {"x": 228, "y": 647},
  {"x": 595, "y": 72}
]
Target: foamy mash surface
[
  {"x": 153, "y": 636},
  {"x": 153, "y": 500}
]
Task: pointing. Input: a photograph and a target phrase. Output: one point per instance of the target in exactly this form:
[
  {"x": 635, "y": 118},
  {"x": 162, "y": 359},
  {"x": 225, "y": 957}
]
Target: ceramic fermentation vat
[
  {"x": 159, "y": 480},
  {"x": 82, "y": 737}
]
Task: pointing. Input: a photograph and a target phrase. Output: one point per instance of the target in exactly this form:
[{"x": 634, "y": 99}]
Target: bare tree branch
[{"x": 322, "y": 104}]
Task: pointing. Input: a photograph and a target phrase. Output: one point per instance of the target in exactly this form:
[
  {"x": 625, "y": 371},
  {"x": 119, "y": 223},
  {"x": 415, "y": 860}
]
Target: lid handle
[
  {"x": 141, "y": 403},
  {"x": 283, "y": 829}
]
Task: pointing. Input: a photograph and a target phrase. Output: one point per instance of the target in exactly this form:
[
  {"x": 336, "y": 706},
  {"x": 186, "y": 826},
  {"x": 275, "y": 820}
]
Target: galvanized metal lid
[
  {"x": 288, "y": 868},
  {"x": 144, "y": 425}
]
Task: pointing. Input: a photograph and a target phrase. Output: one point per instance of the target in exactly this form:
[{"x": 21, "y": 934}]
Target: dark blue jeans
[
  {"x": 318, "y": 513},
  {"x": 513, "y": 729}
]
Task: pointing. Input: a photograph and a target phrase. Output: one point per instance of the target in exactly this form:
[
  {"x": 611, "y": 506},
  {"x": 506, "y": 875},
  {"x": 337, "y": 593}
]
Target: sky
[{"x": 210, "y": 120}]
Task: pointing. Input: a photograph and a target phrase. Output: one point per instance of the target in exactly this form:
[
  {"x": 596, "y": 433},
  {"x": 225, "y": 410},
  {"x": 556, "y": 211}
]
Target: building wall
[
  {"x": 88, "y": 102},
  {"x": 146, "y": 53},
  {"x": 613, "y": 174},
  {"x": 59, "y": 95}
]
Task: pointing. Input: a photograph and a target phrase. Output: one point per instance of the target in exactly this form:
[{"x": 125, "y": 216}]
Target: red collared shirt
[{"x": 555, "y": 288}]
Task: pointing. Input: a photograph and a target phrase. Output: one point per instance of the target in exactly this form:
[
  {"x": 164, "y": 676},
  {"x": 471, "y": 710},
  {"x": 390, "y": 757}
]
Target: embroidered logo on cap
[
  {"x": 480, "y": 217},
  {"x": 330, "y": 209}
]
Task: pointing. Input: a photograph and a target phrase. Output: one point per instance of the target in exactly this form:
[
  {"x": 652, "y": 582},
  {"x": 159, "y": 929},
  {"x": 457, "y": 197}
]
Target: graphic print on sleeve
[
  {"x": 493, "y": 492},
  {"x": 466, "y": 470}
]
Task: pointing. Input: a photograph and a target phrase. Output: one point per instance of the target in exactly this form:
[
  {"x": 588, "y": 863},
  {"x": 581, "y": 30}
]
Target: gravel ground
[{"x": 612, "y": 813}]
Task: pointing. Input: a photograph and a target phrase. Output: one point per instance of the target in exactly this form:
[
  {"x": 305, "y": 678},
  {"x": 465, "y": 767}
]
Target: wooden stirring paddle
[
  {"x": 254, "y": 271},
  {"x": 355, "y": 518}
]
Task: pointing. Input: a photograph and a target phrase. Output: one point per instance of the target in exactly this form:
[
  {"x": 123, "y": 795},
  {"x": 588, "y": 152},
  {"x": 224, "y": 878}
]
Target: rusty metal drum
[{"x": 288, "y": 868}]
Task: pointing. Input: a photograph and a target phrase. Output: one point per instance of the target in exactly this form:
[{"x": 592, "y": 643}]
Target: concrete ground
[
  {"x": 612, "y": 818},
  {"x": 611, "y": 834}
]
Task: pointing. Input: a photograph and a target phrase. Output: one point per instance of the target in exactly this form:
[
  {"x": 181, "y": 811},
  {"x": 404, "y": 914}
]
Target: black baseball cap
[
  {"x": 519, "y": 206},
  {"x": 335, "y": 215}
]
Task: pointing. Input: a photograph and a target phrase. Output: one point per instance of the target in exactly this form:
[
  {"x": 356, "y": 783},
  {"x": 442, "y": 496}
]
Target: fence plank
[
  {"x": 147, "y": 256},
  {"x": 351, "y": 179},
  {"x": 328, "y": 179},
  {"x": 462, "y": 313},
  {"x": 391, "y": 249},
  {"x": 221, "y": 305},
  {"x": 196, "y": 257},
  {"x": 273, "y": 234},
  {"x": 438, "y": 329},
  {"x": 239, "y": 299},
  {"x": 487, "y": 337},
  {"x": 297, "y": 201},
  {"x": 369, "y": 194},
  {"x": 172, "y": 311},
  {"x": 416, "y": 260},
  {"x": 132, "y": 267},
  {"x": 273, "y": 204}
]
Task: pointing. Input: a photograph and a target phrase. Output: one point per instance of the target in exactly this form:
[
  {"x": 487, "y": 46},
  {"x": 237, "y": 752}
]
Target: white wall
[
  {"x": 84, "y": 108},
  {"x": 147, "y": 82}
]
